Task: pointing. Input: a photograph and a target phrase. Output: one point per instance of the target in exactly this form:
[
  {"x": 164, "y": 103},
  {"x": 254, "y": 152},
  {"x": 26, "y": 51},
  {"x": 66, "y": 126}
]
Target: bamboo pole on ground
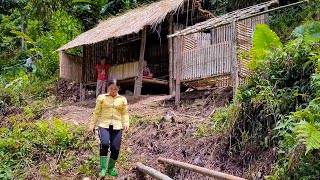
[
  {"x": 152, "y": 172},
  {"x": 138, "y": 81},
  {"x": 200, "y": 170}
]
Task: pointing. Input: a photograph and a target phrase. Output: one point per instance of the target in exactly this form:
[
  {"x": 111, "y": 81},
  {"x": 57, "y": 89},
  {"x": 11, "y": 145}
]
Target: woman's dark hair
[{"x": 114, "y": 81}]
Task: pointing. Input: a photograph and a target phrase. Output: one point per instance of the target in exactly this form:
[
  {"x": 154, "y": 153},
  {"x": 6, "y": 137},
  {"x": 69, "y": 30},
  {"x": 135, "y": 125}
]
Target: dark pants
[{"x": 112, "y": 138}]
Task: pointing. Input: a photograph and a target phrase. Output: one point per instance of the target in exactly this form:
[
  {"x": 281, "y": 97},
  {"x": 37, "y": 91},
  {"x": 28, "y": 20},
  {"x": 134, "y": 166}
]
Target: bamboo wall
[
  {"x": 124, "y": 71},
  {"x": 206, "y": 61},
  {"x": 245, "y": 29},
  {"x": 70, "y": 67},
  {"x": 209, "y": 55}
]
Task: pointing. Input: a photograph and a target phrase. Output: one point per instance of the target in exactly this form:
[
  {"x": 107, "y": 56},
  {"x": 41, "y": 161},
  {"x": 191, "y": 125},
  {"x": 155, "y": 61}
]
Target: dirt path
[{"x": 80, "y": 113}]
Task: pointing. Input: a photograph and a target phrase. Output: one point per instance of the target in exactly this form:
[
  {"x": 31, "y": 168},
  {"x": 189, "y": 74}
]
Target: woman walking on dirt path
[{"x": 111, "y": 117}]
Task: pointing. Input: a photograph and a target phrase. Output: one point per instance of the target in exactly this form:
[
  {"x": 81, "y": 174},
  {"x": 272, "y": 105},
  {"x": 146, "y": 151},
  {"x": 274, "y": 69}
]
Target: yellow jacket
[{"x": 110, "y": 110}]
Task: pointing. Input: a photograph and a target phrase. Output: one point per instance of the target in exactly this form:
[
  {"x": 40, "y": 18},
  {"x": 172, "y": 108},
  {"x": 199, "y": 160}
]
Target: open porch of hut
[
  {"x": 211, "y": 53},
  {"x": 126, "y": 41}
]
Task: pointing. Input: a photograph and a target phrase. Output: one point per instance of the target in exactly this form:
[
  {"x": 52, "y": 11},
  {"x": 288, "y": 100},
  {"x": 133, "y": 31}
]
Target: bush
[
  {"x": 280, "y": 104},
  {"x": 30, "y": 144}
]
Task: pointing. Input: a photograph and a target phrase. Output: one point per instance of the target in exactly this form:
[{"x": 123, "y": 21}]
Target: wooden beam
[
  {"x": 170, "y": 55},
  {"x": 138, "y": 82},
  {"x": 234, "y": 59},
  {"x": 128, "y": 41},
  {"x": 152, "y": 172},
  {"x": 200, "y": 170},
  {"x": 178, "y": 70}
]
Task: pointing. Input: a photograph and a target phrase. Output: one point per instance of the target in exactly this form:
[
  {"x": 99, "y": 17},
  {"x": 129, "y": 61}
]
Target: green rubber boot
[
  {"x": 111, "y": 165},
  {"x": 103, "y": 166}
]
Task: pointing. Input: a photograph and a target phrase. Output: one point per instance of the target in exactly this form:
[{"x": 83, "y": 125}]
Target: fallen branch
[
  {"x": 152, "y": 172},
  {"x": 200, "y": 170}
]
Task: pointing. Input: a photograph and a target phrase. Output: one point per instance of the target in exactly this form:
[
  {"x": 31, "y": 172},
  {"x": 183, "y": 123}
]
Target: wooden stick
[
  {"x": 152, "y": 172},
  {"x": 138, "y": 82},
  {"x": 200, "y": 170}
]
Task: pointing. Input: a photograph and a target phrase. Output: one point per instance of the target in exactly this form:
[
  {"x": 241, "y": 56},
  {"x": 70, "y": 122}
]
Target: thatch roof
[
  {"x": 224, "y": 19},
  {"x": 128, "y": 23}
]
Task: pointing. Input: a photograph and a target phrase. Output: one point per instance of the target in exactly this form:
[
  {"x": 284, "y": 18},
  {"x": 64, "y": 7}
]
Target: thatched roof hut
[
  {"x": 129, "y": 39},
  {"x": 130, "y": 22}
]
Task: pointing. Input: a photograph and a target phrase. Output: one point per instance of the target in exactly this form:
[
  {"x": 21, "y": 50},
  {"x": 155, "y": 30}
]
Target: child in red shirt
[{"x": 102, "y": 71}]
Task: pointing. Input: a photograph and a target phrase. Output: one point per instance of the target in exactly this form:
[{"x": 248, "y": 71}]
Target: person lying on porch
[
  {"x": 102, "y": 72},
  {"x": 146, "y": 71}
]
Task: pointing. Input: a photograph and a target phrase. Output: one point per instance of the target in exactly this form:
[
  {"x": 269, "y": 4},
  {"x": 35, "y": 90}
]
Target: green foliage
[
  {"x": 8, "y": 44},
  {"x": 23, "y": 145},
  {"x": 309, "y": 133},
  {"x": 312, "y": 29},
  {"x": 202, "y": 130},
  {"x": 63, "y": 29},
  {"x": 222, "y": 119},
  {"x": 280, "y": 103},
  {"x": 97, "y": 7},
  {"x": 223, "y": 6},
  {"x": 264, "y": 38},
  {"x": 285, "y": 20}
]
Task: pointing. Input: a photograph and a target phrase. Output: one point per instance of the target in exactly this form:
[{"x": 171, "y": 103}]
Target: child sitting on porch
[{"x": 146, "y": 71}]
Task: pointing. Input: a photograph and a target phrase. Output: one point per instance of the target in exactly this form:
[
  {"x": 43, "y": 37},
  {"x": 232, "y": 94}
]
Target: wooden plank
[
  {"x": 152, "y": 172},
  {"x": 138, "y": 83},
  {"x": 200, "y": 170}
]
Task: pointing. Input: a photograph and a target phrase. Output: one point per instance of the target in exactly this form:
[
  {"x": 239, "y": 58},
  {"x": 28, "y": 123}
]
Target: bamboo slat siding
[
  {"x": 207, "y": 61},
  {"x": 189, "y": 43},
  {"x": 124, "y": 71},
  {"x": 225, "y": 19},
  {"x": 176, "y": 27},
  {"x": 70, "y": 67},
  {"x": 208, "y": 55},
  {"x": 245, "y": 29}
]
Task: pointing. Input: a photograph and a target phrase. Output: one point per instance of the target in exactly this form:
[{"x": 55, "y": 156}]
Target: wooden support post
[
  {"x": 200, "y": 170},
  {"x": 170, "y": 55},
  {"x": 83, "y": 71},
  {"x": 266, "y": 16},
  {"x": 234, "y": 59},
  {"x": 138, "y": 82},
  {"x": 178, "y": 70},
  {"x": 152, "y": 172}
]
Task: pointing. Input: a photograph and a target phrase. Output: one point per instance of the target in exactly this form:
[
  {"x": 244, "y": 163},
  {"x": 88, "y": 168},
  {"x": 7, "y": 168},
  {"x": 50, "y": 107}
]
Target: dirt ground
[{"x": 164, "y": 131}]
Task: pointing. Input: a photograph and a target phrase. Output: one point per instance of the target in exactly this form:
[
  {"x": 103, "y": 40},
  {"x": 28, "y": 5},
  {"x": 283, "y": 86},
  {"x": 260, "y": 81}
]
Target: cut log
[
  {"x": 152, "y": 172},
  {"x": 200, "y": 170}
]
